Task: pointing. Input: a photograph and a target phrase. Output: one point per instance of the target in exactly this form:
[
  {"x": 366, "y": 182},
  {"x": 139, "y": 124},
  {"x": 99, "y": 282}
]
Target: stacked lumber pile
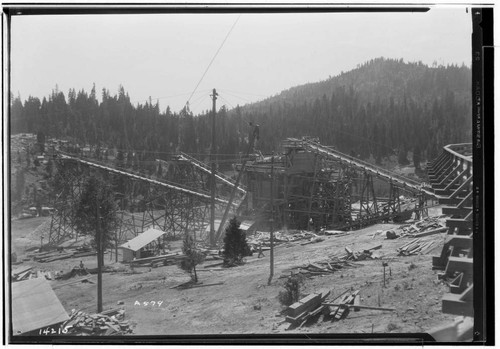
[
  {"x": 415, "y": 246},
  {"x": 325, "y": 267},
  {"x": 25, "y": 273},
  {"x": 334, "y": 232},
  {"x": 21, "y": 273},
  {"x": 50, "y": 256},
  {"x": 157, "y": 261},
  {"x": 306, "y": 309},
  {"x": 366, "y": 253},
  {"x": 309, "y": 308},
  {"x": 336, "y": 262},
  {"x": 264, "y": 238},
  {"x": 109, "y": 323},
  {"x": 424, "y": 227}
]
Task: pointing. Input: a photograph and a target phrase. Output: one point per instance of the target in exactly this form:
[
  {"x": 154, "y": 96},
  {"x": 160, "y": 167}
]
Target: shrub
[
  {"x": 392, "y": 327},
  {"x": 291, "y": 293}
]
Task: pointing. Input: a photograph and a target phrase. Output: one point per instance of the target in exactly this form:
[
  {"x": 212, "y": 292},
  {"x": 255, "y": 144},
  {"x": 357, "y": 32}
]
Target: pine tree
[
  {"x": 95, "y": 215},
  {"x": 193, "y": 257},
  {"x": 235, "y": 244}
]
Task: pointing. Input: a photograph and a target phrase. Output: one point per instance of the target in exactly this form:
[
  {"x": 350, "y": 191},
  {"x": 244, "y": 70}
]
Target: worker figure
[
  {"x": 261, "y": 254},
  {"x": 81, "y": 265}
]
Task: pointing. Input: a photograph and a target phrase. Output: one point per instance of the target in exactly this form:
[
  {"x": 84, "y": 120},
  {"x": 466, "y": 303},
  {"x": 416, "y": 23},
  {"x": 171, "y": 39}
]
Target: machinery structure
[
  {"x": 144, "y": 201},
  {"x": 318, "y": 187}
]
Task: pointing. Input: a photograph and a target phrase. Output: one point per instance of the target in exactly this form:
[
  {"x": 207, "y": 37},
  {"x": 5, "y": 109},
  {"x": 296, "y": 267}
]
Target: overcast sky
[{"x": 165, "y": 55}]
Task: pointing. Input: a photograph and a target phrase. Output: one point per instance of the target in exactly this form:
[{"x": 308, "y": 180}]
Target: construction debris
[
  {"x": 336, "y": 262},
  {"x": 109, "y": 323},
  {"x": 26, "y": 273},
  {"x": 61, "y": 253},
  {"x": 415, "y": 246},
  {"x": 308, "y": 308},
  {"x": 191, "y": 284},
  {"x": 424, "y": 227},
  {"x": 157, "y": 260},
  {"x": 340, "y": 309},
  {"x": 264, "y": 238}
]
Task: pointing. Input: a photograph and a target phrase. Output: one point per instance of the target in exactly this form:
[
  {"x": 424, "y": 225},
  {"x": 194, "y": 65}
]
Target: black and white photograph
[{"x": 242, "y": 173}]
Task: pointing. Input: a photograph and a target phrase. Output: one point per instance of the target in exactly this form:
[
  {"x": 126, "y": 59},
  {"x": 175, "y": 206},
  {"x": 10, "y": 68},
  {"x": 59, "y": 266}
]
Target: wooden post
[
  {"x": 212, "y": 178},
  {"x": 116, "y": 246},
  {"x": 271, "y": 252},
  {"x": 100, "y": 257}
]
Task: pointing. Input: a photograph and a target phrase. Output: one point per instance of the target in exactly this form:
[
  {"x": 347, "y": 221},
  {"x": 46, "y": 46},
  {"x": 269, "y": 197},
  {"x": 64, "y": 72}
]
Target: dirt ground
[{"x": 245, "y": 303}]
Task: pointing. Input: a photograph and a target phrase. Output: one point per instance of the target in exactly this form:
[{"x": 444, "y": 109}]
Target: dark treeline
[{"x": 378, "y": 109}]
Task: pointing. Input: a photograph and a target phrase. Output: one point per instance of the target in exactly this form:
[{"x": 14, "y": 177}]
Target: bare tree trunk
[{"x": 100, "y": 260}]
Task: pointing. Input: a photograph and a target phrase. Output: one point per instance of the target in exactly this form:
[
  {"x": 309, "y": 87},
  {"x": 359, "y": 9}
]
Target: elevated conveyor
[
  {"x": 328, "y": 152},
  {"x": 188, "y": 191}
]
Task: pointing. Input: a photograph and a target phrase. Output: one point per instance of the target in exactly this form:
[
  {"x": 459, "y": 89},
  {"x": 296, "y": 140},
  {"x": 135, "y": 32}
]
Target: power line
[
  {"x": 244, "y": 93},
  {"x": 239, "y": 97},
  {"x": 171, "y": 96},
  {"x": 225, "y": 100},
  {"x": 216, "y": 53}
]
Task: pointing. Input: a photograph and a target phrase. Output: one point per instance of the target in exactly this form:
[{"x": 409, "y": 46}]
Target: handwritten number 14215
[{"x": 49, "y": 330}]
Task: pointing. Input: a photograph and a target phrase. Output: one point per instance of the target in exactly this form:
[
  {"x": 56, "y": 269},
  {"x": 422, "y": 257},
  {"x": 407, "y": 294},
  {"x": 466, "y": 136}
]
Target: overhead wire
[
  {"x": 239, "y": 97},
  {"x": 225, "y": 100},
  {"x": 213, "y": 59},
  {"x": 244, "y": 93},
  {"x": 171, "y": 96}
]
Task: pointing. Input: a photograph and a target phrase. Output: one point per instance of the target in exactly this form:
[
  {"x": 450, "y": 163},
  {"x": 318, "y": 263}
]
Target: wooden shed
[{"x": 141, "y": 246}]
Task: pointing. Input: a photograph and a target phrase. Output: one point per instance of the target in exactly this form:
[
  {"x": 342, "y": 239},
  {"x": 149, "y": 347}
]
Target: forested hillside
[{"x": 378, "y": 109}]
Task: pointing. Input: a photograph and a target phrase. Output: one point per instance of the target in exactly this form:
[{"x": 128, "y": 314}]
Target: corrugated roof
[
  {"x": 35, "y": 305},
  {"x": 245, "y": 225},
  {"x": 143, "y": 239}
]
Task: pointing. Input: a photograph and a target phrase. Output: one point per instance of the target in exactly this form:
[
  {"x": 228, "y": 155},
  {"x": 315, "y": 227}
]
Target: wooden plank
[
  {"x": 342, "y": 305},
  {"x": 319, "y": 268},
  {"x": 24, "y": 274},
  {"x": 304, "y": 304},
  {"x": 213, "y": 265},
  {"x": 357, "y": 302},
  {"x": 431, "y": 232},
  {"x": 150, "y": 259},
  {"x": 21, "y": 270},
  {"x": 373, "y": 248},
  {"x": 206, "y": 285}
]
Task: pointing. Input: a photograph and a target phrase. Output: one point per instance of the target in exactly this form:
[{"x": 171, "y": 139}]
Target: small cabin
[{"x": 142, "y": 246}]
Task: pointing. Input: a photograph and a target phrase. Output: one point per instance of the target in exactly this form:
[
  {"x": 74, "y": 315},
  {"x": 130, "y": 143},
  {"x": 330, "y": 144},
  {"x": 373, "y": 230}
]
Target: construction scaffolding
[{"x": 176, "y": 206}]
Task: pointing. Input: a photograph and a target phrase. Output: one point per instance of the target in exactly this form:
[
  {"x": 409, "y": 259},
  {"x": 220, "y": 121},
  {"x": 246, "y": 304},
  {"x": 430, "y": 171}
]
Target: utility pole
[
  {"x": 100, "y": 257},
  {"x": 271, "y": 259},
  {"x": 212, "y": 162},
  {"x": 253, "y": 136}
]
